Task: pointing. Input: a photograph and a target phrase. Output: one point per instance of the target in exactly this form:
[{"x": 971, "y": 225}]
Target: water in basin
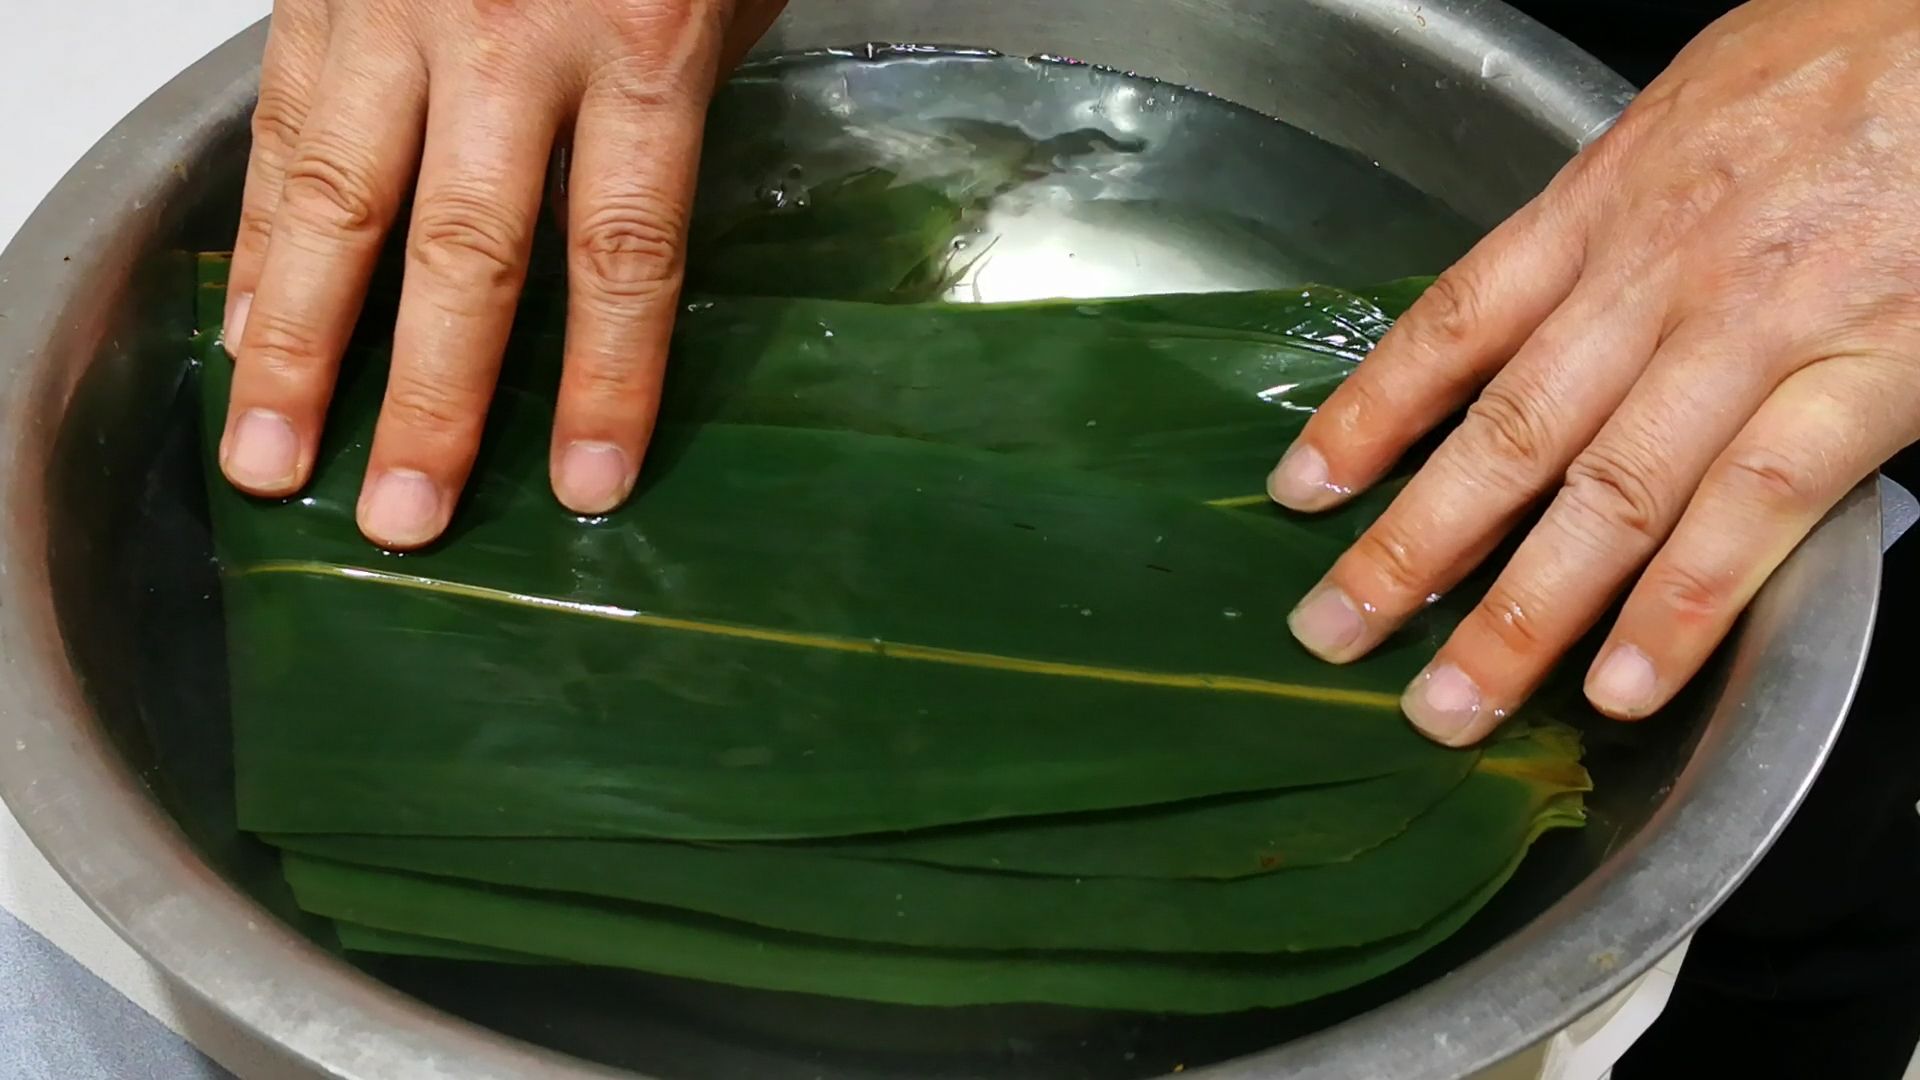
[{"x": 1126, "y": 185}]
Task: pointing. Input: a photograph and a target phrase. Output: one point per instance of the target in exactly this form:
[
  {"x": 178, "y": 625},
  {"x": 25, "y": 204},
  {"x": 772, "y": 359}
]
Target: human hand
[
  {"x": 354, "y": 95},
  {"x": 1699, "y": 337}
]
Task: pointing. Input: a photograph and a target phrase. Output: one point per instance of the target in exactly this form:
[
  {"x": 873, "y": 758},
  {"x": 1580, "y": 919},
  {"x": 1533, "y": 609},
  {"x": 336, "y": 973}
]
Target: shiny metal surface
[
  {"x": 1127, "y": 185},
  {"x": 1467, "y": 100}
]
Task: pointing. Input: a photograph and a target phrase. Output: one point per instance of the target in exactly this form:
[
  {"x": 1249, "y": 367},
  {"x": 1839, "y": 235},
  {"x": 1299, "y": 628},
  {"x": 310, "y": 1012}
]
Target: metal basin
[{"x": 1465, "y": 100}]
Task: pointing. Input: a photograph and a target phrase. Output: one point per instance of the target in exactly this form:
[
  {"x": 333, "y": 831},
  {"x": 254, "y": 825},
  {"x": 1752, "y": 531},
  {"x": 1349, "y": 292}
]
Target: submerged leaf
[
  {"x": 939, "y": 658},
  {"x": 869, "y": 236},
  {"x": 756, "y": 635},
  {"x": 1229, "y": 837},
  {"x": 791, "y": 600},
  {"x": 357, "y": 938},
  {"x": 610, "y": 933},
  {"x": 1407, "y": 882}
]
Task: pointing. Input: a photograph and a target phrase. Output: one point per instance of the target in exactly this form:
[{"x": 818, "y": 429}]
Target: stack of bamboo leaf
[{"x": 939, "y": 659}]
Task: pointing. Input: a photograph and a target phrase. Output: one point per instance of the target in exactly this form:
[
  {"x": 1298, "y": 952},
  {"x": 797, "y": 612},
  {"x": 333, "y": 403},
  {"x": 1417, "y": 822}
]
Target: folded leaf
[
  {"x": 356, "y": 938},
  {"x": 939, "y": 658},
  {"x": 610, "y": 933},
  {"x": 1228, "y": 837},
  {"x": 867, "y": 236},
  {"x": 936, "y": 622},
  {"x": 1407, "y": 882},
  {"x": 1193, "y": 393},
  {"x": 782, "y": 607}
]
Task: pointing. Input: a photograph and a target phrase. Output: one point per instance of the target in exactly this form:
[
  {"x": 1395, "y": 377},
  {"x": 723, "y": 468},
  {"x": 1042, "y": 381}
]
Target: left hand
[
  {"x": 1702, "y": 334},
  {"x": 364, "y": 103}
]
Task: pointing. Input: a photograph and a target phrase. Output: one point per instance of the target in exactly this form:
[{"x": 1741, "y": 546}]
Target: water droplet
[{"x": 784, "y": 193}]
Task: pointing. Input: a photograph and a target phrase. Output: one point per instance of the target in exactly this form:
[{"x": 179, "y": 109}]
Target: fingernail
[
  {"x": 401, "y": 509},
  {"x": 1444, "y": 703},
  {"x": 1327, "y": 623},
  {"x": 236, "y": 324},
  {"x": 1624, "y": 683},
  {"x": 262, "y": 453},
  {"x": 1300, "y": 481},
  {"x": 593, "y": 477}
]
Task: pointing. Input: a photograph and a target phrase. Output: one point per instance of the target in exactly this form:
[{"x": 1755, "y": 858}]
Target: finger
[
  {"x": 1513, "y": 446},
  {"x": 1621, "y": 497},
  {"x": 1463, "y": 329},
  {"x": 635, "y": 163},
  {"x": 475, "y": 208},
  {"x": 295, "y": 53},
  {"x": 1824, "y": 430},
  {"x": 342, "y": 187}
]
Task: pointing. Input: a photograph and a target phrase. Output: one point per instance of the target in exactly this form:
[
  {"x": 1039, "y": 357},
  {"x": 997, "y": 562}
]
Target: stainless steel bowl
[{"x": 1465, "y": 99}]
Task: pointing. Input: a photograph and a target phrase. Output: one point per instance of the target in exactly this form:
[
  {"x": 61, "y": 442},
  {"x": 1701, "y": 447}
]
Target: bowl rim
[{"x": 1792, "y": 676}]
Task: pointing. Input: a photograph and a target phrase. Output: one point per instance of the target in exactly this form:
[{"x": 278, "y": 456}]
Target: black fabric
[
  {"x": 1637, "y": 38},
  {"x": 1812, "y": 969}
]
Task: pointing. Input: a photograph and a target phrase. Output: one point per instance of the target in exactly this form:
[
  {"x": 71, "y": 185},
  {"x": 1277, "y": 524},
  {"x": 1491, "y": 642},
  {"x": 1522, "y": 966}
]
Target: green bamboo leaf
[
  {"x": 978, "y": 597},
  {"x": 1201, "y": 392},
  {"x": 1118, "y": 388},
  {"x": 1230, "y": 837},
  {"x": 887, "y": 567},
  {"x": 369, "y": 939},
  {"x": 868, "y": 236},
  {"x": 954, "y": 726},
  {"x": 1396, "y": 297},
  {"x": 610, "y": 933},
  {"x": 1233, "y": 837},
  {"x": 1407, "y": 882}
]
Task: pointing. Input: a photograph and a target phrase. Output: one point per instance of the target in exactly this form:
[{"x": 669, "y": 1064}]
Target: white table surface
[{"x": 69, "y": 70}]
